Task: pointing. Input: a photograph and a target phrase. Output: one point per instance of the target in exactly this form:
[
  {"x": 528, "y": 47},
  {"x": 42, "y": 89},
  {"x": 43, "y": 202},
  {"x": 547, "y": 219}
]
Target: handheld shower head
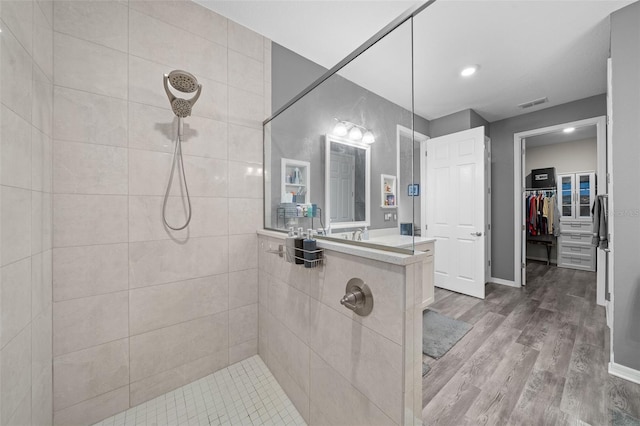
[
  {"x": 183, "y": 81},
  {"x": 186, "y": 83}
]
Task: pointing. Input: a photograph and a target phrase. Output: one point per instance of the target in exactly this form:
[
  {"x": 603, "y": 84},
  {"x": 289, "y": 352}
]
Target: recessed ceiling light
[
  {"x": 569, "y": 129},
  {"x": 469, "y": 71}
]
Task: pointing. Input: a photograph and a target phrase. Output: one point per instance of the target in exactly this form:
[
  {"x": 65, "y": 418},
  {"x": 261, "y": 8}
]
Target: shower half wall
[{"x": 138, "y": 310}]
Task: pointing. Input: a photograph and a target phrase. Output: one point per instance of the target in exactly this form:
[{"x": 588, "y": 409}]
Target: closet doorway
[{"x": 577, "y": 172}]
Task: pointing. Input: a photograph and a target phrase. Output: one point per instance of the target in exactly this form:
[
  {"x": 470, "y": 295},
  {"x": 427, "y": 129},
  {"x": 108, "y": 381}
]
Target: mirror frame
[{"x": 327, "y": 184}]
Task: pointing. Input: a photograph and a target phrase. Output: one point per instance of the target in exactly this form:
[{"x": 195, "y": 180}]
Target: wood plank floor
[{"x": 535, "y": 356}]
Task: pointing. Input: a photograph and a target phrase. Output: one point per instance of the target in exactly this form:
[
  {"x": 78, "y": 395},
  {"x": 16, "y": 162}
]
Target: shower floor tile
[{"x": 245, "y": 393}]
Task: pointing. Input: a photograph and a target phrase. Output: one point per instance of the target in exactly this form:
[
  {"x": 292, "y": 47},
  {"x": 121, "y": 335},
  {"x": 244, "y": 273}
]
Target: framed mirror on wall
[{"x": 347, "y": 183}]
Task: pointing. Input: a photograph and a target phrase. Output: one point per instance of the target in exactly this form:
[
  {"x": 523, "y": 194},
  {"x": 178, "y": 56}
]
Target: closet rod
[{"x": 551, "y": 188}]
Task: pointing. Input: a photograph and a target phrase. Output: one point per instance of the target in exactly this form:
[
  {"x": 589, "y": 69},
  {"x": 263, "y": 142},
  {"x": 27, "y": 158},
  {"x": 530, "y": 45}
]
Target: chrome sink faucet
[{"x": 357, "y": 235}]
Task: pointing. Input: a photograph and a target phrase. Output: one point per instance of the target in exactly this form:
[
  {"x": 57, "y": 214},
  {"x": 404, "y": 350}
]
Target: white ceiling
[
  {"x": 581, "y": 133},
  {"x": 526, "y": 49}
]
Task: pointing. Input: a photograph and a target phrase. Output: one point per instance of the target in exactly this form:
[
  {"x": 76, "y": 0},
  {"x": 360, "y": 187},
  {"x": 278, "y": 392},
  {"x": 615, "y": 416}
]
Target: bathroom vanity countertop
[
  {"x": 358, "y": 250},
  {"x": 401, "y": 241}
]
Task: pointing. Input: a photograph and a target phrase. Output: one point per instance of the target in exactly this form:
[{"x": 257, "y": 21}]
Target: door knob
[{"x": 477, "y": 234}]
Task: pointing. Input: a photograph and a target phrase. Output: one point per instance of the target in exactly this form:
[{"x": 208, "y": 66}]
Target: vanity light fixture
[
  {"x": 469, "y": 71},
  {"x": 569, "y": 130},
  {"x": 355, "y": 131}
]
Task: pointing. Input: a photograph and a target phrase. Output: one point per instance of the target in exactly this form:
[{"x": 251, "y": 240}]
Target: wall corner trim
[
  {"x": 624, "y": 372},
  {"x": 504, "y": 282}
]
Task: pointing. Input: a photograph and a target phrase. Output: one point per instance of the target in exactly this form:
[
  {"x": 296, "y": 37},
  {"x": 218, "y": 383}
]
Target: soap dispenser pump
[{"x": 309, "y": 246}]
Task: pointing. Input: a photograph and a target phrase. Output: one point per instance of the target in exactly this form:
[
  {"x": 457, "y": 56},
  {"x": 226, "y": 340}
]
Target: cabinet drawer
[
  {"x": 584, "y": 239},
  {"x": 585, "y": 226},
  {"x": 577, "y": 262},
  {"x": 577, "y": 250}
]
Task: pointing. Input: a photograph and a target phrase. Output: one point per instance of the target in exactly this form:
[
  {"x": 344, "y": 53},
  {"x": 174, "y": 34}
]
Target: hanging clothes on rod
[{"x": 541, "y": 212}]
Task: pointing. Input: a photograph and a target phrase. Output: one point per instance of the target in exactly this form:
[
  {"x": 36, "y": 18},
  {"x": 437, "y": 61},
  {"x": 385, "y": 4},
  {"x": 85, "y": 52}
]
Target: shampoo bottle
[
  {"x": 309, "y": 246},
  {"x": 365, "y": 234},
  {"x": 290, "y": 246},
  {"x": 299, "y": 244}
]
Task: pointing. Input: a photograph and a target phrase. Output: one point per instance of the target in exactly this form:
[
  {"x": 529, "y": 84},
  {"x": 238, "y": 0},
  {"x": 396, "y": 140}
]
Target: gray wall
[
  {"x": 625, "y": 45},
  {"x": 502, "y": 203},
  {"x": 457, "y": 122},
  {"x": 298, "y": 133}
]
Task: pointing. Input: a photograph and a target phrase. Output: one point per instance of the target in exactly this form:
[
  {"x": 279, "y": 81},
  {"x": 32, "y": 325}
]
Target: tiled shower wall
[
  {"x": 26, "y": 75},
  {"x": 139, "y": 310}
]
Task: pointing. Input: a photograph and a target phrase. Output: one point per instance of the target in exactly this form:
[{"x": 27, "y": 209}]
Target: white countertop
[
  {"x": 401, "y": 241},
  {"x": 362, "y": 251}
]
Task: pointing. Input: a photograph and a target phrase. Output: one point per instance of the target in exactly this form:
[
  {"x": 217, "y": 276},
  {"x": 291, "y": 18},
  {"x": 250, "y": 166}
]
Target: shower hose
[{"x": 177, "y": 155}]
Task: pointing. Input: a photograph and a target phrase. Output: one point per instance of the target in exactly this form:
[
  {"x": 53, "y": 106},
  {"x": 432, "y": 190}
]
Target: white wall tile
[
  {"x": 89, "y": 219},
  {"x": 339, "y": 400},
  {"x": 245, "y": 215},
  {"x": 208, "y": 218},
  {"x": 43, "y": 41},
  {"x": 94, "y": 409},
  {"x": 42, "y": 103},
  {"x": 47, "y": 221},
  {"x": 81, "y": 168},
  {"x": 243, "y": 252},
  {"x": 42, "y": 368},
  {"x": 149, "y": 174},
  {"x": 355, "y": 351},
  {"x": 87, "y": 66},
  {"x": 36, "y": 221},
  {"x": 158, "y": 384},
  {"x": 245, "y": 180},
  {"x": 245, "y": 144},
  {"x": 15, "y": 146},
  {"x": 246, "y": 73},
  {"x": 101, "y": 22},
  {"x": 167, "y": 44},
  {"x": 86, "y": 117},
  {"x": 243, "y": 288},
  {"x": 243, "y": 351},
  {"x": 80, "y": 376},
  {"x": 89, "y": 321},
  {"x": 40, "y": 282},
  {"x": 290, "y": 307},
  {"x": 245, "y": 41},
  {"x": 47, "y": 9},
  {"x": 89, "y": 271},
  {"x": 18, "y": 16},
  {"x": 155, "y": 129},
  {"x": 243, "y": 324},
  {"x": 297, "y": 395},
  {"x": 246, "y": 108},
  {"x": 186, "y": 15},
  {"x": 22, "y": 415},
  {"x": 15, "y": 299},
  {"x": 16, "y": 67},
  {"x": 41, "y": 161},
  {"x": 158, "y": 262},
  {"x": 15, "y": 222},
  {"x": 169, "y": 347},
  {"x": 168, "y": 304},
  {"x": 15, "y": 369},
  {"x": 290, "y": 352}
]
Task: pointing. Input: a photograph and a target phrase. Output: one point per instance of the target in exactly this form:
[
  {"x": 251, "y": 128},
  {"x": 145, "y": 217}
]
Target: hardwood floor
[{"x": 535, "y": 356}]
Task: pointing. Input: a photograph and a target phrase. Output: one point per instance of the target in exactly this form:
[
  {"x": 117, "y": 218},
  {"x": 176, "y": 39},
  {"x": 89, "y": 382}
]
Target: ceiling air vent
[{"x": 533, "y": 103}]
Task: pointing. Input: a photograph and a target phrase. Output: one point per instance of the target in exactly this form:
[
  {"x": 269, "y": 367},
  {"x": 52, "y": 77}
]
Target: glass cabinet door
[
  {"x": 566, "y": 190},
  {"x": 585, "y": 183}
]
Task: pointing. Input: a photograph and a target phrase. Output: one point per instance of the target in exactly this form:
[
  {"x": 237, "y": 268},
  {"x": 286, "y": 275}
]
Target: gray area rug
[
  {"x": 425, "y": 369},
  {"x": 616, "y": 417},
  {"x": 440, "y": 333}
]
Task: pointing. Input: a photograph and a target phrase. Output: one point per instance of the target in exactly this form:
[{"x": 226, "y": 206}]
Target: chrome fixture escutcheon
[{"x": 358, "y": 297}]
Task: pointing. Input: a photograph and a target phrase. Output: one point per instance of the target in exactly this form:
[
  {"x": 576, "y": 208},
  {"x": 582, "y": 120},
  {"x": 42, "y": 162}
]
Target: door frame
[
  {"x": 519, "y": 186},
  {"x": 416, "y": 137}
]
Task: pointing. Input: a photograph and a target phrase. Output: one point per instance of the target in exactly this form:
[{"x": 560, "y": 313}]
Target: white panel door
[
  {"x": 342, "y": 182},
  {"x": 455, "y": 204}
]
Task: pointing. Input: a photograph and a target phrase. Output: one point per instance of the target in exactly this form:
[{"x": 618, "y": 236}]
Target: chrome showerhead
[
  {"x": 186, "y": 83},
  {"x": 183, "y": 81}
]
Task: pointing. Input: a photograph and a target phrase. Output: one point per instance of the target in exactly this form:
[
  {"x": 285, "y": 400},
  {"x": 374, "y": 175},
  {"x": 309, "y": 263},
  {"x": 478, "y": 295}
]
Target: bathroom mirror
[{"x": 347, "y": 183}]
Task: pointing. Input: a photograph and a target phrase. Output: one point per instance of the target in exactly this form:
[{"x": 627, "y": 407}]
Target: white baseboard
[
  {"x": 624, "y": 372},
  {"x": 503, "y": 282}
]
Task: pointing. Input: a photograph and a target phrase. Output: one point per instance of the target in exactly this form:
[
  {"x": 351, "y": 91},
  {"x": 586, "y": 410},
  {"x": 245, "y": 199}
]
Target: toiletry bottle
[
  {"x": 299, "y": 244},
  {"x": 296, "y": 176},
  {"x": 309, "y": 245},
  {"x": 365, "y": 234},
  {"x": 290, "y": 246}
]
